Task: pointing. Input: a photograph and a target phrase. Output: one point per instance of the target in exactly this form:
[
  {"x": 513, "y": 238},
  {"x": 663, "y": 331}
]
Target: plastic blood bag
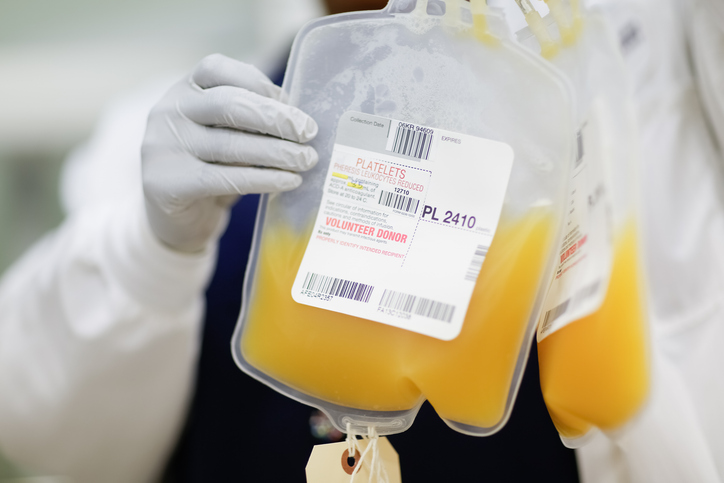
[
  {"x": 592, "y": 339},
  {"x": 609, "y": 381},
  {"x": 409, "y": 264}
]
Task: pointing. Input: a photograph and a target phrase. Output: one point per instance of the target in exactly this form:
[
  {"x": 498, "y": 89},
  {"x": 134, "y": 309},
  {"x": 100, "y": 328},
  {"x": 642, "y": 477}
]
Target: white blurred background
[{"x": 61, "y": 61}]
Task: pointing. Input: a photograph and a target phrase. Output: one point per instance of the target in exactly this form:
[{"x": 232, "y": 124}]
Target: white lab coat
[
  {"x": 100, "y": 323},
  {"x": 679, "y": 437}
]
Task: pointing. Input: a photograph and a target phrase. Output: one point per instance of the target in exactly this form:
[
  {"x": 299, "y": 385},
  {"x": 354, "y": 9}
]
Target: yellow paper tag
[{"x": 329, "y": 463}]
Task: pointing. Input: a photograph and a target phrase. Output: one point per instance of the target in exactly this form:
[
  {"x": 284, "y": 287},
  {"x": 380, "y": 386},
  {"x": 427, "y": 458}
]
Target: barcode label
[
  {"x": 407, "y": 204},
  {"x": 412, "y": 142},
  {"x": 338, "y": 287},
  {"x": 559, "y": 310},
  {"x": 381, "y": 176},
  {"x": 477, "y": 263},
  {"x": 587, "y": 291},
  {"x": 413, "y": 304}
]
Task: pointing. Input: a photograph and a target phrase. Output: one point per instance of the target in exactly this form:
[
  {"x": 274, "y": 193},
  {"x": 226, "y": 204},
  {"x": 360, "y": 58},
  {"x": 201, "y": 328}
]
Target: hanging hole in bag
[
  {"x": 401, "y": 6},
  {"x": 435, "y": 7}
]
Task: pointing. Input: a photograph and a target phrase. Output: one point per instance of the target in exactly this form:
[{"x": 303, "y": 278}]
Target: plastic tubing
[
  {"x": 548, "y": 48},
  {"x": 577, "y": 18}
]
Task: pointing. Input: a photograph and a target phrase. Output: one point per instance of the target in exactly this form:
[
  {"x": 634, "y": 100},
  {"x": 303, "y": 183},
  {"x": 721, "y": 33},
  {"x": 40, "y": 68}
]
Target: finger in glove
[
  {"x": 218, "y": 70},
  {"x": 240, "y": 109},
  {"x": 229, "y": 146}
]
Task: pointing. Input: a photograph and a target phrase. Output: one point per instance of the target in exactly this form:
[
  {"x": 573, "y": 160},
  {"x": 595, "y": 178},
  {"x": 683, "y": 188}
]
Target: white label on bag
[
  {"x": 406, "y": 219},
  {"x": 586, "y": 254}
]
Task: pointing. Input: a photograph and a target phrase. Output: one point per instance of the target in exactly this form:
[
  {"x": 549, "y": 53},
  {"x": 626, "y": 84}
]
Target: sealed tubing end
[
  {"x": 564, "y": 22},
  {"x": 480, "y": 22},
  {"x": 548, "y": 48},
  {"x": 577, "y": 17}
]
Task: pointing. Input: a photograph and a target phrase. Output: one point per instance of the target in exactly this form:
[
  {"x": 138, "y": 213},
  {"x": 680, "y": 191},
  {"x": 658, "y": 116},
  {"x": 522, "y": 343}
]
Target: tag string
[
  {"x": 351, "y": 441},
  {"x": 378, "y": 473},
  {"x": 378, "y": 468}
]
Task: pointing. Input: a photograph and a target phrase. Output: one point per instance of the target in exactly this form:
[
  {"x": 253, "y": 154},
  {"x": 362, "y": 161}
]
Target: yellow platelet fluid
[
  {"x": 367, "y": 365},
  {"x": 595, "y": 371}
]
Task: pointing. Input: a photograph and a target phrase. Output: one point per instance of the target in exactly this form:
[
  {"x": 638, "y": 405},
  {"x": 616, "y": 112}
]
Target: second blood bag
[
  {"x": 411, "y": 262},
  {"x": 592, "y": 338}
]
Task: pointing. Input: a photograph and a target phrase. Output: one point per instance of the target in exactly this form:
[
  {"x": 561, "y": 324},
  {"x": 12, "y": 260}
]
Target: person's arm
[
  {"x": 98, "y": 339},
  {"x": 663, "y": 444},
  {"x": 99, "y": 322}
]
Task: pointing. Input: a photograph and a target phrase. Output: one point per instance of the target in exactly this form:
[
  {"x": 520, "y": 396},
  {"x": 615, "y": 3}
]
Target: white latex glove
[{"x": 220, "y": 133}]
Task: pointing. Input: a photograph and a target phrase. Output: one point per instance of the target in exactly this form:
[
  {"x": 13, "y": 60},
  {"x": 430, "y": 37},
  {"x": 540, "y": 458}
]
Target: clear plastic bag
[
  {"x": 592, "y": 337},
  {"x": 462, "y": 80}
]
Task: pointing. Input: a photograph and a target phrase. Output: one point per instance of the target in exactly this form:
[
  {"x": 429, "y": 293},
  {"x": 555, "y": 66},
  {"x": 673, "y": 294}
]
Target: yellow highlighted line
[
  {"x": 354, "y": 185},
  {"x": 340, "y": 175}
]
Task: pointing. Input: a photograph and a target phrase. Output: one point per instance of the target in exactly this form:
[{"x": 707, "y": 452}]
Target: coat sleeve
[{"x": 99, "y": 329}]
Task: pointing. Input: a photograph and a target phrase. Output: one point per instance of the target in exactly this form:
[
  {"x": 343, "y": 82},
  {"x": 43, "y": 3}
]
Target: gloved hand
[{"x": 219, "y": 133}]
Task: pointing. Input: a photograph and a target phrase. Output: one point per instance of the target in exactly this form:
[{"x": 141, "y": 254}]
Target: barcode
[
  {"x": 338, "y": 287},
  {"x": 560, "y": 309},
  {"x": 579, "y": 144},
  {"x": 411, "y": 142},
  {"x": 477, "y": 263},
  {"x": 587, "y": 291},
  {"x": 417, "y": 305},
  {"x": 399, "y": 202},
  {"x": 554, "y": 314}
]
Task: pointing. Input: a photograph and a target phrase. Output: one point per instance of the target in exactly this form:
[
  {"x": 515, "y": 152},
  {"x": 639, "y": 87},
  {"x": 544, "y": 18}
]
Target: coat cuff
[{"x": 153, "y": 274}]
